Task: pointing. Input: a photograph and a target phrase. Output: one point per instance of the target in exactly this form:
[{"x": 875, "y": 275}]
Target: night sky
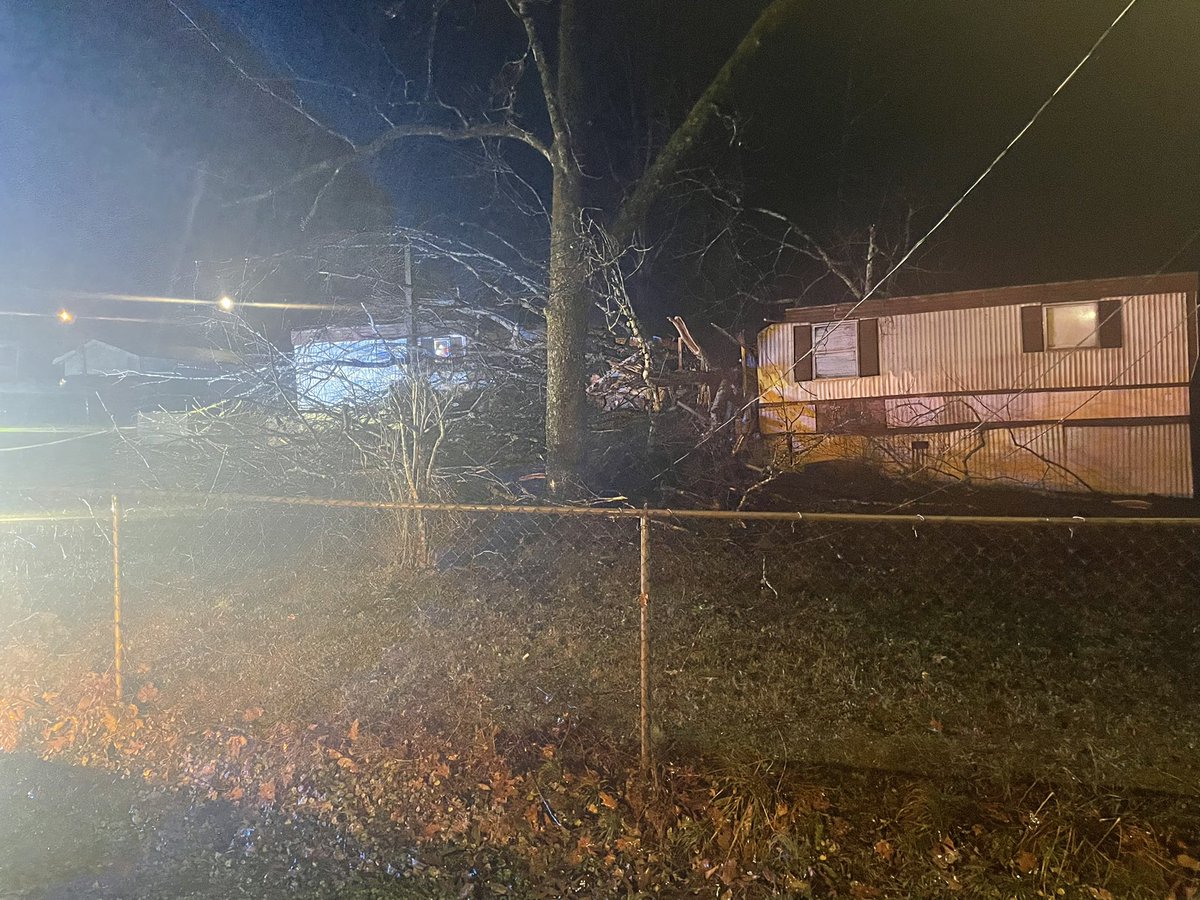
[{"x": 857, "y": 104}]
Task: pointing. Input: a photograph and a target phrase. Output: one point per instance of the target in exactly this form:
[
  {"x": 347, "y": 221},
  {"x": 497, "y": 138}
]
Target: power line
[
  {"x": 1063, "y": 357},
  {"x": 924, "y": 238},
  {"x": 66, "y": 440},
  {"x": 1188, "y": 314}
]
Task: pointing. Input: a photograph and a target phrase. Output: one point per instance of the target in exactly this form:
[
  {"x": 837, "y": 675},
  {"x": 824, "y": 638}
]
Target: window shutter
[
  {"x": 1032, "y": 339},
  {"x": 802, "y": 369},
  {"x": 868, "y": 347},
  {"x": 1112, "y": 328}
]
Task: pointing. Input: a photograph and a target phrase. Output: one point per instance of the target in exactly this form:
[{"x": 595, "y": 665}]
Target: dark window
[
  {"x": 868, "y": 347},
  {"x": 1032, "y": 340},
  {"x": 1112, "y": 326},
  {"x": 802, "y": 361}
]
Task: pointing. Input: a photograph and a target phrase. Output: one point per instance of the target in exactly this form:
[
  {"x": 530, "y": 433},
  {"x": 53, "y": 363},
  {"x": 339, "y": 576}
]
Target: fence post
[
  {"x": 644, "y": 654},
  {"x": 118, "y": 643}
]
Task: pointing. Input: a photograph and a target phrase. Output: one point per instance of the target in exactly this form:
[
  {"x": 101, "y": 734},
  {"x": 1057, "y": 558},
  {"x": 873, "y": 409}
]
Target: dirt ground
[
  {"x": 867, "y": 711},
  {"x": 850, "y": 486}
]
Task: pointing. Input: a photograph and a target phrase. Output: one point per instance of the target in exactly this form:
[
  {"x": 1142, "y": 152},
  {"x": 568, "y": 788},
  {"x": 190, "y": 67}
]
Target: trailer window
[
  {"x": 835, "y": 350},
  {"x": 1071, "y": 325}
]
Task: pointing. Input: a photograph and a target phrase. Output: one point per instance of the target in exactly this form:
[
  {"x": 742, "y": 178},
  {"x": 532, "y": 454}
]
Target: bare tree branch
[
  {"x": 814, "y": 250},
  {"x": 429, "y": 46},
  {"x": 480, "y": 131},
  {"x": 557, "y": 123},
  {"x": 312, "y": 210},
  {"x": 706, "y": 109},
  {"x": 261, "y": 83}
]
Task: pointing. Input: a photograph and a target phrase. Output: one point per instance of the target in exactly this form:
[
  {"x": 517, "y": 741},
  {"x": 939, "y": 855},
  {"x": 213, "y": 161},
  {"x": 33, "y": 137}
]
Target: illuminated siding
[{"x": 958, "y": 380}]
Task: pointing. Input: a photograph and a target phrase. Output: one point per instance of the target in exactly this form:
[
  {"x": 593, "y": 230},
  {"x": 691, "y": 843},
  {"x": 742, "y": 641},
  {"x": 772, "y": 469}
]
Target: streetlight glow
[
  {"x": 226, "y": 303},
  {"x": 65, "y": 316}
]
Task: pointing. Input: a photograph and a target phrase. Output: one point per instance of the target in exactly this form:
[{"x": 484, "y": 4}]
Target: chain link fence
[
  {"x": 964, "y": 644},
  {"x": 978, "y": 646}
]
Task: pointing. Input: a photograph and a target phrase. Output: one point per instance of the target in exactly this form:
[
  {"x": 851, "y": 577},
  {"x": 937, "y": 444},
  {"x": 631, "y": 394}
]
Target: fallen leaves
[
  {"x": 946, "y": 853},
  {"x": 1026, "y": 862},
  {"x": 12, "y": 717},
  {"x": 61, "y": 734},
  {"x": 148, "y": 693},
  {"x": 564, "y": 810},
  {"x": 628, "y": 843},
  {"x": 342, "y": 761}
]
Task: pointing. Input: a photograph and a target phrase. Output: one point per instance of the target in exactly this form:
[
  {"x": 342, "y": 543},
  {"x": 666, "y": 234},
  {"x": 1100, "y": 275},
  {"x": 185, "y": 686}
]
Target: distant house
[
  {"x": 94, "y": 358},
  {"x": 358, "y": 365},
  {"x": 30, "y": 402},
  {"x": 1081, "y": 385},
  {"x": 125, "y": 384}
]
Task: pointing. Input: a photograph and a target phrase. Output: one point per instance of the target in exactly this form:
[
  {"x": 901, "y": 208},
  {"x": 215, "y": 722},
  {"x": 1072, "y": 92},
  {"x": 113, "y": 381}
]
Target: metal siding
[
  {"x": 1032, "y": 456},
  {"x": 794, "y": 417},
  {"x": 1018, "y": 295},
  {"x": 774, "y": 364},
  {"x": 980, "y": 349},
  {"x": 1015, "y": 406},
  {"x": 1133, "y": 459},
  {"x": 1137, "y": 459}
]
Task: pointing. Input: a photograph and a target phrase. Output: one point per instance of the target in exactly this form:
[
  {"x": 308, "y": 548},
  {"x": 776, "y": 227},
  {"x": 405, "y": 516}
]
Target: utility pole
[{"x": 410, "y": 310}]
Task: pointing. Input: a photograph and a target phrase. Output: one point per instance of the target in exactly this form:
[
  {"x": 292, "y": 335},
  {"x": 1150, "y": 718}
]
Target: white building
[
  {"x": 358, "y": 365},
  {"x": 95, "y": 358}
]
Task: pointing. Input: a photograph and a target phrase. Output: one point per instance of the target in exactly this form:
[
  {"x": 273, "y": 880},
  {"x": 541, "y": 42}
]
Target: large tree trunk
[
  {"x": 567, "y": 99},
  {"x": 567, "y": 304},
  {"x": 566, "y": 333}
]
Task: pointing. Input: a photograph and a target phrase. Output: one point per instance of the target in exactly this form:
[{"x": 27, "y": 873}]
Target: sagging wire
[{"x": 923, "y": 239}]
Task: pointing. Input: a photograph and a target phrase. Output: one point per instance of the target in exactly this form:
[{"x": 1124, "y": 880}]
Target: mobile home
[{"x": 1080, "y": 385}]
